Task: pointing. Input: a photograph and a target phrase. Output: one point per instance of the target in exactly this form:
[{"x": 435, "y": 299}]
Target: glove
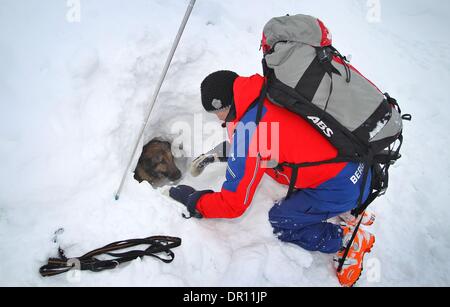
[
  {"x": 199, "y": 164},
  {"x": 188, "y": 196},
  {"x": 217, "y": 154},
  {"x": 181, "y": 193}
]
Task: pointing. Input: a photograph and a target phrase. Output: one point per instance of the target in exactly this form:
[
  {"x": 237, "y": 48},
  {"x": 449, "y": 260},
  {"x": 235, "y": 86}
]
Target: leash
[{"x": 156, "y": 246}]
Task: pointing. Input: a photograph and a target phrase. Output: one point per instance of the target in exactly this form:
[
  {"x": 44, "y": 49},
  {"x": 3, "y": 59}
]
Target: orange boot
[
  {"x": 353, "y": 265},
  {"x": 367, "y": 219}
]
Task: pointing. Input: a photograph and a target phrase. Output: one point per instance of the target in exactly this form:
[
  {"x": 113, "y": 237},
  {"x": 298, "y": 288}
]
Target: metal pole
[{"x": 157, "y": 89}]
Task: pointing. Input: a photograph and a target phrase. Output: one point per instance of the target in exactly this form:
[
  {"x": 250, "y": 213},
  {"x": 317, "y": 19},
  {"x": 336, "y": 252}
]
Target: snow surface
[{"x": 73, "y": 97}]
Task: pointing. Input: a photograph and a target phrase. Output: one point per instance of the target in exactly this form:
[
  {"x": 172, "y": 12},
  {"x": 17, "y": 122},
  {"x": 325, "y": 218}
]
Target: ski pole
[{"x": 157, "y": 89}]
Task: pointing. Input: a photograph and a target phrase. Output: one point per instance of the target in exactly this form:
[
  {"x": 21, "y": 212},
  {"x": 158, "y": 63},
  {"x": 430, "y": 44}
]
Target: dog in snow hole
[{"x": 156, "y": 164}]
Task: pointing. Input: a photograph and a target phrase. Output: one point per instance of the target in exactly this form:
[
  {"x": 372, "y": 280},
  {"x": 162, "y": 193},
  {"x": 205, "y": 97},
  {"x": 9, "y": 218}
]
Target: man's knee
[{"x": 322, "y": 237}]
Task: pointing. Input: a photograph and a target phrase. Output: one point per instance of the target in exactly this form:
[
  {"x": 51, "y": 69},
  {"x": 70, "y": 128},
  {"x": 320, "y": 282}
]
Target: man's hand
[
  {"x": 181, "y": 193},
  {"x": 217, "y": 154},
  {"x": 188, "y": 196}
]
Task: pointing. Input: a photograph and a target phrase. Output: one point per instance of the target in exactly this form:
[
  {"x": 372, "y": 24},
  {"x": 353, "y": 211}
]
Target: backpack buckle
[{"x": 324, "y": 55}]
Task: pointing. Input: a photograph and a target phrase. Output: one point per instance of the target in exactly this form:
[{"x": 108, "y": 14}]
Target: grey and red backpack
[{"x": 305, "y": 74}]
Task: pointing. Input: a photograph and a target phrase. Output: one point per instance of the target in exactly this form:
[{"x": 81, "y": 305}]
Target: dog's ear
[
  {"x": 167, "y": 144},
  {"x": 136, "y": 176},
  {"x": 144, "y": 149}
]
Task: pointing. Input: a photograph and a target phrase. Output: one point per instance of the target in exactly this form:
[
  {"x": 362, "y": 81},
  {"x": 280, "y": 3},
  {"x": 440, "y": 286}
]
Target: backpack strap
[
  {"x": 297, "y": 166},
  {"x": 345, "y": 61},
  {"x": 393, "y": 101},
  {"x": 260, "y": 102},
  {"x": 293, "y": 181}
]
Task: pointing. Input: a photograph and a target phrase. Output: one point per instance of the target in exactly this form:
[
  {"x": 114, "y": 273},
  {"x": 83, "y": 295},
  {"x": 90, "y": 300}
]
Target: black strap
[
  {"x": 294, "y": 175},
  {"x": 310, "y": 81},
  {"x": 157, "y": 245},
  {"x": 330, "y": 161},
  {"x": 296, "y": 167},
  {"x": 261, "y": 98},
  {"x": 393, "y": 102},
  {"x": 312, "y": 78},
  {"x": 345, "y": 61},
  {"x": 349, "y": 244},
  {"x": 407, "y": 117}
]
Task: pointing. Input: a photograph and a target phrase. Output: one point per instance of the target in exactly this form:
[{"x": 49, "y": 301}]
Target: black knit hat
[{"x": 217, "y": 90}]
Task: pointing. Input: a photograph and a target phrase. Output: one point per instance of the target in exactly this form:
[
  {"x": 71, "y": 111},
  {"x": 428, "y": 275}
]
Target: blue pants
[{"x": 301, "y": 219}]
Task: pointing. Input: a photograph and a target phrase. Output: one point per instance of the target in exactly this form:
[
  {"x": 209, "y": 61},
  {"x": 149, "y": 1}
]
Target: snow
[
  {"x": 380, "y": 125},
  {"x": 73, "y": 96}
]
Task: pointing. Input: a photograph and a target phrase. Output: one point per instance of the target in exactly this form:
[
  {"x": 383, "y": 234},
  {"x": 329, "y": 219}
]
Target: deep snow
[{"x": 73, "y": 95}]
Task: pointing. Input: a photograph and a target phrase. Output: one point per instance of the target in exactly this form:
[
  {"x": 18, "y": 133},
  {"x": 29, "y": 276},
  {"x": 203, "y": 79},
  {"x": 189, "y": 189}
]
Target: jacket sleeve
[{"x": 244, "y": 172}]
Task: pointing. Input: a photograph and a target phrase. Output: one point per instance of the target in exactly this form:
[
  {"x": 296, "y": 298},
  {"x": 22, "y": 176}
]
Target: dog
[{"x": 156, "y": 164}]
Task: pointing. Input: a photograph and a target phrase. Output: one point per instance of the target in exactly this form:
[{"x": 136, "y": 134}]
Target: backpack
[{"x": 305, "y": 74}]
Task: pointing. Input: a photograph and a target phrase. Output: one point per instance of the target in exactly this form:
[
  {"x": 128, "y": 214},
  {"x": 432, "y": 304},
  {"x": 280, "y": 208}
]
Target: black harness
[{"x": 156, "y": 246}]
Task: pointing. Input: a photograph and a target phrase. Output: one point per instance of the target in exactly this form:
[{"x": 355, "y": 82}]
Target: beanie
[{"x": 217, "y": 90}]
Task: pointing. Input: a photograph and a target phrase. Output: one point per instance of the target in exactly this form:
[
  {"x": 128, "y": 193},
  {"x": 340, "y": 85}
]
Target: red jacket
[{"x": 297, "y": 141}]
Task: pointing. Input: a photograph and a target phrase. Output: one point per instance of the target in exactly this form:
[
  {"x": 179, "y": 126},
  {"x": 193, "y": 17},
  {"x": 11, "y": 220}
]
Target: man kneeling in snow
[{"x": 322, "y": 191}]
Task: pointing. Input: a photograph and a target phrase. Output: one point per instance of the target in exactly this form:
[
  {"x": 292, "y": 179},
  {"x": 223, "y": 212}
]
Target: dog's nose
[{"x": 175, "y": 176}]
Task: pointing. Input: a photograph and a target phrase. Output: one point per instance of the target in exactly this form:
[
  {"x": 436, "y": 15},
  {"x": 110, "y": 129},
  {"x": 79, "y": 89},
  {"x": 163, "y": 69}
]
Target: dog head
[{"x": 156, "y": 163}]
